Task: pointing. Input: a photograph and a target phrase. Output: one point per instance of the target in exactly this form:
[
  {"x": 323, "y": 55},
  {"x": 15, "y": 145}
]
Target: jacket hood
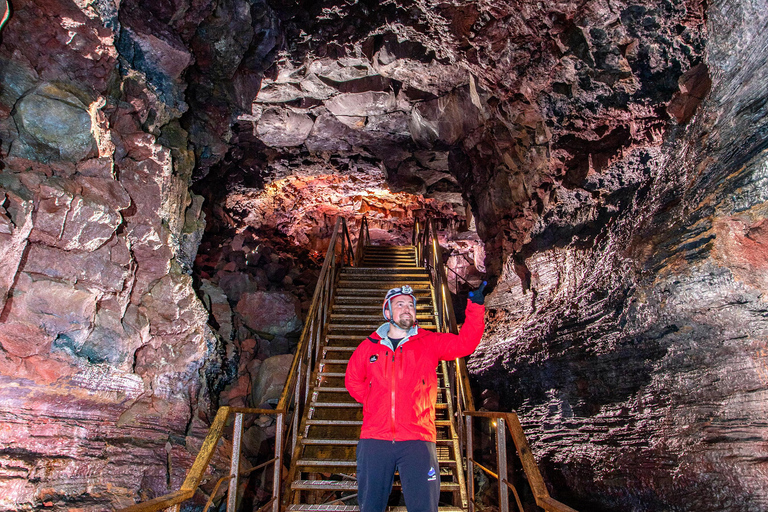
[{"x": 383, "y": 333}]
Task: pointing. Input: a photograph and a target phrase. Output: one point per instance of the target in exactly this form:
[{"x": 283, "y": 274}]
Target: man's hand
[{"x": 477, "y": 296}]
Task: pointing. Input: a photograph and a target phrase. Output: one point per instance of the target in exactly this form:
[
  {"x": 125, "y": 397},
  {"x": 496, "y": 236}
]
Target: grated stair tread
[
  {"x": 355, "y": 508},
  {"x": 351, "y": 485}
]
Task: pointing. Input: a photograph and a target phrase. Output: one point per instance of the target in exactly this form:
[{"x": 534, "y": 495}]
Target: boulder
[
  {"x": 274, "y": 313},
  {"x": 269, "y": 382},
  {"x": 234, "y": 284},
  {"x": 53, "y": 124}
]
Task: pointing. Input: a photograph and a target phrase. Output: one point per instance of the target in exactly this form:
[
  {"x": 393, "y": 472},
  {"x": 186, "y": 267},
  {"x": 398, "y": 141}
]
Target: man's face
[{"x": 403, "y": 312}]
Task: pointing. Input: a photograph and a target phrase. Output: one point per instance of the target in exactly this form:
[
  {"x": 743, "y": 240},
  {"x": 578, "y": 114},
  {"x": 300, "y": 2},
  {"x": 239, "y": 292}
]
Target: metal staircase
[
  {"x": 317, "y": 424},
  {"x": 322, "y": 473}
]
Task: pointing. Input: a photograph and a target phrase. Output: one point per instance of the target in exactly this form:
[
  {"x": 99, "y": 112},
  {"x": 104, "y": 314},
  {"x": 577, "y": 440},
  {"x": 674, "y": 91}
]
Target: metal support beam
[
  {"x": 277, "y": 478},
  {"x": 234, "y": 468},
  {"x": 501, "y": 454},
  {"x": 470, "y": 465}
]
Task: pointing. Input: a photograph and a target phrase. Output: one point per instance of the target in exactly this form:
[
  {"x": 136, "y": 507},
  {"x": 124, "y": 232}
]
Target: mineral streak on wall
[{"x": 170, "y": 170}]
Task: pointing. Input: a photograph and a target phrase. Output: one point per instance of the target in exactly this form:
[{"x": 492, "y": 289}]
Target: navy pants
[{"x": 416, "y": 461}]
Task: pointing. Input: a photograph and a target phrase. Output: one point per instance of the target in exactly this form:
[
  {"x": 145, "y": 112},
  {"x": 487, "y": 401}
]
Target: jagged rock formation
[
  {"x": 612, "y": 155},
  {"x": 108, "y": 361}
]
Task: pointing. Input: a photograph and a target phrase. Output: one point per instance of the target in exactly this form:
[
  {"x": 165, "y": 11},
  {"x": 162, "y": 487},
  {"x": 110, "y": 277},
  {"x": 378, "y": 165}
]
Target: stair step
[
  {"x": 350, "y": 463},
  {"x": 416, "y": 284},
  {"x": 325, "y": 485},
  {"x": 375, "y": 309},
  {"x": 355, "y": 423},
  {"x": 332, "y": 389},
  {"x": 324, "y": 442},
  {"x": 336, "y": 423},
  {"x": 385, "y": 273},
  {"x": 379, "y": 293},
  {"x": 351, "y": 485},
  {"x": 389, "y": 254},
  {"x": 365, "y": 318},
  {"x": 337, "y": 463},
  {"x": 358, "y": 405},
  {"x": 353, "y": 442},
  {"x": 381, "y": 265},
  {"x": 346, "y": 326},
  {"x": 355, "y": 508},
  {"x": 355, "y": 405},
  {"x": 408, "y": 256}
]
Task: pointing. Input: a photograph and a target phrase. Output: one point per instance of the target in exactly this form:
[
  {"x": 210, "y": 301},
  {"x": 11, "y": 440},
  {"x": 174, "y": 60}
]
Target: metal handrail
[
  {"x": 363, "y": 239},
  {"x": 508, "y": 421},
  {"x": 429, "y": 253},
  {"x": 292, "y": 401}
]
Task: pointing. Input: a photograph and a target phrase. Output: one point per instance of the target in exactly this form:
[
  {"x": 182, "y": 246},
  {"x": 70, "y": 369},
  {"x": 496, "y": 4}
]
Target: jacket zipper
[{"x": 392, "y": 387}]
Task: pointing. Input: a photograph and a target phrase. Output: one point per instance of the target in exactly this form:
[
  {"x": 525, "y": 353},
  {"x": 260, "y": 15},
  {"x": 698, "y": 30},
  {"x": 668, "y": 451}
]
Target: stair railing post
[
  {"x": 470, "y": 464},
  {"x": 501, "y": 454},
  {"x": 234, "y": 468},
  {"x": 278, "y": 470},
  {"x": 343, "y": 241}
]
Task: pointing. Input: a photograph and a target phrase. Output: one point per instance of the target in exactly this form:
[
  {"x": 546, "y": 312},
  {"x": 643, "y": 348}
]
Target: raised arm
[{"x": 451, "y": 346}]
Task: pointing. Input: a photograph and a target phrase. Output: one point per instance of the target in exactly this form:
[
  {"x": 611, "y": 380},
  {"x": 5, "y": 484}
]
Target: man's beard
[{"x": 405, "y": 323}]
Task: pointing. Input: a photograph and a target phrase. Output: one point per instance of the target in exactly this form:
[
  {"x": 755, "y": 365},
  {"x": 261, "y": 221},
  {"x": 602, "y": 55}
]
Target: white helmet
[{"x": 391, "y": 294}]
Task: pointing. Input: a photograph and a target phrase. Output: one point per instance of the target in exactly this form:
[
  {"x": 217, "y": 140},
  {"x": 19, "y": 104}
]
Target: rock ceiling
[{"x": 170, "y": 169}]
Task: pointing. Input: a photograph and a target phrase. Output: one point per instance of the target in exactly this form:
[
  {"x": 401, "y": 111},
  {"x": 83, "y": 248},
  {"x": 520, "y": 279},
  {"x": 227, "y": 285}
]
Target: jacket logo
[{"x": 374, "y": 358}]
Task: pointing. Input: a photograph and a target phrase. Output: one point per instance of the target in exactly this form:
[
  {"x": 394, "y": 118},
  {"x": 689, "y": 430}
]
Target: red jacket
[{"x": 398, "y": 389}]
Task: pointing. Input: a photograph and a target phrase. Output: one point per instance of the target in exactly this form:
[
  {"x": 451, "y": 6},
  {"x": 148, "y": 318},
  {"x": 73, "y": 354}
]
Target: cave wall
[
  {"x": 635, "y": 352},
  {"x": 109, "y": 370}
]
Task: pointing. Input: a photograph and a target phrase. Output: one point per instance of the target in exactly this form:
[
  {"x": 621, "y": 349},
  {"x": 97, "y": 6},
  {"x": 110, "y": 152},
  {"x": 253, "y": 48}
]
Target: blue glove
[{"x": 477, "y": 296}]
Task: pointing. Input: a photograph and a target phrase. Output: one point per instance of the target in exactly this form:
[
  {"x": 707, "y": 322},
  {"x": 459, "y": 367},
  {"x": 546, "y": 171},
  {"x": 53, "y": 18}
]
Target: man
[{"x": 392, "y": 373}]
